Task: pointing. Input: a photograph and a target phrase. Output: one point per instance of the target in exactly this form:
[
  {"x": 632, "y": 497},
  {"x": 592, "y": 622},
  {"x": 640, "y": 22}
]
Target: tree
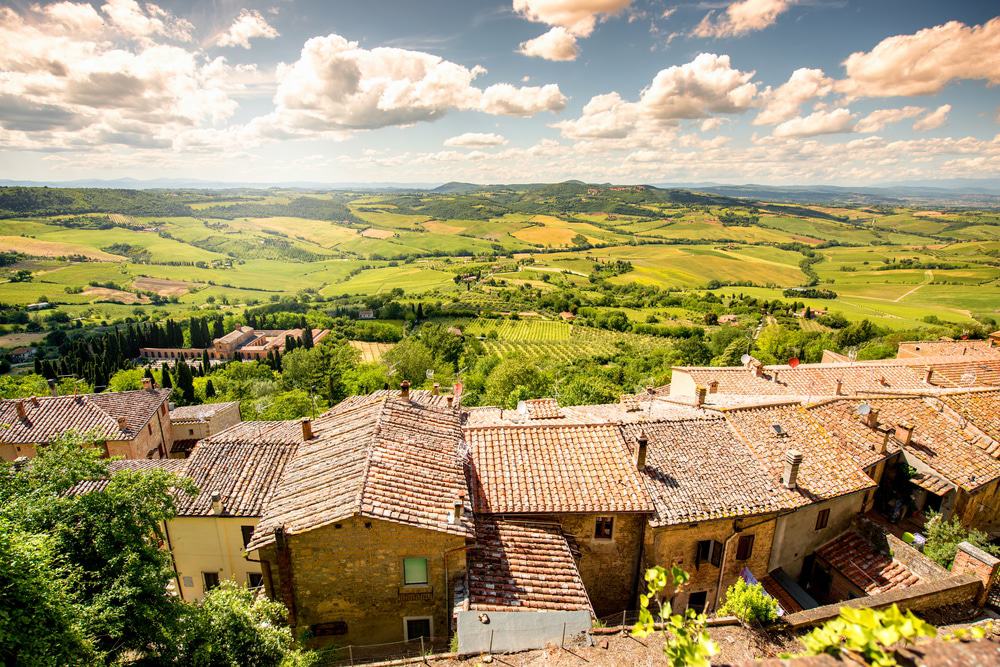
[
  {"x": 185, "y": 381},
  {"x": 943, "y": 538},
  {"x": 686, "y": 642},
  {"x": 209, "y": 389},
  {"x": 126, "y": 380},
  {"x": 584, "y": 389},
  {"x": 515, "y": 379},
  {"x": 165, "y": 380},
  {"x": 307, "y": 337},
  {"x": 206, "y": 363},
  {"x": 749, "y": 603},
  {"x": 232, "y": 626}
]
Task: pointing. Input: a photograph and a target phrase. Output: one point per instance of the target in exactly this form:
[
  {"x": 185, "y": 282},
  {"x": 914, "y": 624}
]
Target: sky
[{"x": 844, "y": 92}]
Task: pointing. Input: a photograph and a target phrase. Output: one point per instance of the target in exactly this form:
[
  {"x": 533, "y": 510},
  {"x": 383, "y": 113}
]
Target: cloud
[
  {"x": 783, "y": 103},
  {"x": 934, "y": 119},
  {"x": 925, "y": 62},
  {"x": 336, "y": 85},
  {"x": 475, "y": 140},
  {"x": 708, "y": 84},
  {"x": 148, "y": 21},
  {"x": 604, "y": 117},
  {"x": 248, "y": 25},
  {"x": 818, "y": 122},
  {"x": 876, "y": 120},
  {"x": 710, "y": 124},
  {"x": 741, "y": 18},
  {"x": 577, "y": 16},
  {"x": 557, "y": 44}
]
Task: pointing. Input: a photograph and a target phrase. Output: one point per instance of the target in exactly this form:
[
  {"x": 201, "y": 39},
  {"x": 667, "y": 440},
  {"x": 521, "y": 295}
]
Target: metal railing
[{"x": 353, "y": 654}]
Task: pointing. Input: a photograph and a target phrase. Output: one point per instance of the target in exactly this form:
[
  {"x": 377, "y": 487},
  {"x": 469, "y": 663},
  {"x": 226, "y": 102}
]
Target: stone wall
[
  {"x": 972, "y": 560},
  {"x": 889, "y": 544},
  {"x": 347, "y": 580},
  {"x": 677, "y": 545}
]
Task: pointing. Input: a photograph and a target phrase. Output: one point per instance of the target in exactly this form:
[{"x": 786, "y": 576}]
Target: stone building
[
  {"x": 129, "y": 424},
  {"x": 192, "y": 423},
  {"x": 240, "y": 343}
]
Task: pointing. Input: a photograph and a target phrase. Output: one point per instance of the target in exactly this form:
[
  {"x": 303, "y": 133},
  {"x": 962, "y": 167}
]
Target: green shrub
[
  {"x": 749, "y": 603},
  {"x": 943, "y": 538}
]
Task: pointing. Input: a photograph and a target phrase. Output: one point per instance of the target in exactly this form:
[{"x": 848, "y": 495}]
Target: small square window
[
  {"x": 417, "y": 628},
  {"x": 414, "y": 571},
  {"x": 255, "y": 580},
  {"x": 247, "y": 534},
  {"x": 604, "y": 528},
  {"x": 697, "y": 601},
  {"x": 708, "y": 551},
  {"x": 822, "y": 519},
  {"x": 744, "y": 549},
  {"x": 211, "y": 580}
]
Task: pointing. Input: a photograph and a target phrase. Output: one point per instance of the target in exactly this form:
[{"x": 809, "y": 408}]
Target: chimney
[
  {"x": 216, "y": 503},
  {"x": 904, "y": 433},
  {"x": 53, "y": 388},
  {"x": 307, "y": 429},
  {"x": 774, "y": 375},
  {"x": 793, "y": 460},
  {"x": 122, "y": 423},
  {"x": 436, "y": 390},
  {"x": 871, "y": 419},
  {"x": 404, "y": 389},
  {"x": 883, "y": 446},
  {"x": 147, "y": 383},
  {"x": 713, "y": 387},
  {"x": 459, "y": 508},
  {"x": 21, "y": 413},
  {"x": 758, "y": 370},
  {"x": 651, "y": 390},
  {"x": 699, "y": 395},
  {"x": 450, "y": 400},
  {"x": 839, "y": 388},
  {"x": 641, "y": 449},
  {"x": 928, "y": 374}
]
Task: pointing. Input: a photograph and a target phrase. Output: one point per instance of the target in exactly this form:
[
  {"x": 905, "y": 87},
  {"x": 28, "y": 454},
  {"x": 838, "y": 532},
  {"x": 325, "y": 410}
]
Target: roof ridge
[
  {"x": 93, "y": 405},
  {"x": 369, "y": 449}
]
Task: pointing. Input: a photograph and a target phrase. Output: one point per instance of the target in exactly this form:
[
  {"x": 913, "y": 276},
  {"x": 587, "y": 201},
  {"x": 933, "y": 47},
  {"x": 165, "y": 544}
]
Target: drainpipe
[
  {"x": 722, "y": 566},
  {"x": 173, "y": 561}
]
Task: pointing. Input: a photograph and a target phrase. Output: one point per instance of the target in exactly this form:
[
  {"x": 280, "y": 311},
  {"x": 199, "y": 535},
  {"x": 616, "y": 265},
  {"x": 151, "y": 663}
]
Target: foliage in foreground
[
  {"x": 943, "y": 538},
  {"x": 749, "y": 603},
  {"x": 686, "y": 642},
  {"x": 867, "y": 633}
]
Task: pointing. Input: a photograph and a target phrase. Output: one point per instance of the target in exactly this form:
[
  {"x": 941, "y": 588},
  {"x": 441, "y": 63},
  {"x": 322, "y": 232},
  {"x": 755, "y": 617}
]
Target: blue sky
[{"x": 765, "y": 91}]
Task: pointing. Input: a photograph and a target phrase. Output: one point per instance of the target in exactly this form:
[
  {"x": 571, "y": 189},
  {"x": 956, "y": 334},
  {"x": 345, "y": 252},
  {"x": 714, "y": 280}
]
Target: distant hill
[{"x": 457, "y": 188}]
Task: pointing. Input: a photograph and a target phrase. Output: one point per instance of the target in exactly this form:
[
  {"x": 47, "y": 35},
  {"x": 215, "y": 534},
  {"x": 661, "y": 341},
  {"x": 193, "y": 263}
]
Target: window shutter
[
  {"x": 716, "y": 553},
  {"x": 745, "y": 548}
]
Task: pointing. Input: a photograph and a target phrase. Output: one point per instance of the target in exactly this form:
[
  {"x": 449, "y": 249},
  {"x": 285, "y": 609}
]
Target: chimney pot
[
  {"x": 882, "y": 446},
  {"x": 713, "y": 387},
  {"x": 21, "y": 412},
  {"x": 641, "y": 450},
  {"x": 793, "y": 460},
  {"x": 122, "y": 423},
  {"x": 871, "y": 419},
  {"x": 147, "y": 383},
  {"x": 774, "y": 375},
  {"x": 929, "y": 373},
  {"x": 904, "y": 433},
  {"x": 436, "y": 390},
  {"x": 839, "y": 388},
  {"x": 307, "y": 429},
  {"x": 53, "y": 388},
  {"x": 650, "y": 390},
  {"x": 450, "y": 399},
  {"x": 458, "y": 509},
  {"x": 758, "y": 369},
  {"x": 699, "y": 395},
  {"x": 216, "y": 503},
  {"x": 404, "y": 389}
]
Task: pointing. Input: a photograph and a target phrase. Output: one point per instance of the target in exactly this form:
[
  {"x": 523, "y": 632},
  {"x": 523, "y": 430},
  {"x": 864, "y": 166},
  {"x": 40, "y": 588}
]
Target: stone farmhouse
[
  {"x": 402, "y": 515},
  {"x": 131, "y": 424},
  {"x": 192, "y": 423},
  {"x": 241, "y": 343}
]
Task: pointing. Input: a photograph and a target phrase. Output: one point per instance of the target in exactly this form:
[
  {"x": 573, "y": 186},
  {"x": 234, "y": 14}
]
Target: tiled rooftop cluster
[{"x": 873, "y": 572}]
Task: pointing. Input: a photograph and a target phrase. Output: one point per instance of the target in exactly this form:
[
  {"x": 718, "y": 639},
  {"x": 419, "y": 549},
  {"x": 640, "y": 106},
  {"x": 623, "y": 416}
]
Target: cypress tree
[
  {"x": 217, "y": 330},
  {"x": 307, "y": 337},
  {"x": 165, "y": 380},
  {"x": 185, "y": 381},
  {"x": 205, "y": 362},
  {"x": 38, "y": 366},
  {"x": 209, "y": 389}
]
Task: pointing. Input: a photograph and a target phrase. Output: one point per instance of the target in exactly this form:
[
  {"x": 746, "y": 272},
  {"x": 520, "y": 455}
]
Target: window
[
  {"x": 697, "y": 601},
  {"x": 744, "y": 549},
  {"x": 414, "y": 571},
  {"x": 822, "y": 519},
  {"x": 149, "y": 427},
  {"x": 190, "y": 431},
  {"x": 708, "y": 551},
  {"x": 255, "y": 580},
  {"x": 247, "y": 534},
  {"x": 604, "y": 528},
  {"x": 211, "y": 580},
  {"x": 417, "y": 627}
]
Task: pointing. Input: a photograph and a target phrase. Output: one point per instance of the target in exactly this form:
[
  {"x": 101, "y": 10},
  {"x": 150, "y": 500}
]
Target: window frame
[
  {"x": 747, "y": 540},
  {"x": 250, "y": 578},
  {"x": 713, "y": 553},
  {"x": 822, "y": 519},
  {"x": 205, "y": 576},
  {"x": 704, "y": 605},
  {"x": 427, "y": 575},
  {"x": 246, "y": 534},
  {"x": 406, "y": 627},
  {"x": 598, "y": 521}
]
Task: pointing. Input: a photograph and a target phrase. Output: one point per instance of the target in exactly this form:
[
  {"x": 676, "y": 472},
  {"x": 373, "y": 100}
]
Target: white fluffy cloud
[
  {"x": 740, "y": 18},
  {"x": 248, "y": 25},
  {"x": 934, "y": 119},
  {"x": 818, "y": 122},
  {"x": 880, "y": 118},
  {"x": 925, "y": 62},
  {"x": 145, "y": 21},
  {"x": 336, "y": 85},
  {"x": 558, "y": 44},
  {"x": 475, "y": 140},
  {"x": 708, "y": 84},
  {"x": 783, "y": 103},
  {"x": 577, "y": 16},
  {"x": 604, "y": 117}
]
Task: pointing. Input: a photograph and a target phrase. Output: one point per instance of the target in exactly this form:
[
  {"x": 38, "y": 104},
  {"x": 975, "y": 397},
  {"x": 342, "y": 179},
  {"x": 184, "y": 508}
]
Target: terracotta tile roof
[
  {"x": 932, "y": 483},
  {"x": 785, "y": 600},
  {"x": 967, "y": 373},
  {"x": 183, "y": 446},
  {"x": 176, "y": 466},
  {"x": 982, "y": 408},
  {"x": 960, "y": 456},
  {"x": 826, "y": 471},
  {"x": 47, "y": 417},
  {"x": 635, "y": 408},
  {"x": 840, "y": 419},
  {"x": 951, "y": 348},
  {"x": 261, "y": 432},
  {"x": 554, "y": 468},
  {"x": 199, "y": 412},
  {"x": 874, "y": 572},
  {"x": 541, "y": 408},
  {"x": 699, "y": 469},
  {"x": 244, "y": 472},
  {"x": 379, "y": 456},
  {"x": 523, "y": 565}
]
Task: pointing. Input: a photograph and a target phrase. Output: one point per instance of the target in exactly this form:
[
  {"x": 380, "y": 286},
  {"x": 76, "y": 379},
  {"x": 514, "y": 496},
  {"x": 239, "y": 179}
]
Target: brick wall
[
  {"x": 677, "y": 545},
  {"x": 985, "y": 567},
  {"x": 354, "y": 574}
]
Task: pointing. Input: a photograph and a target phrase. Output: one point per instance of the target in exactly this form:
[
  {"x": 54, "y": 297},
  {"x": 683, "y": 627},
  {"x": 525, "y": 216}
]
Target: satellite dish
[
  {"x": 429, "y": 373},
  {"x": 746, "y": 359},
  {"x": 864, "y": 409},
  {"x": 793, "y": 362}
]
